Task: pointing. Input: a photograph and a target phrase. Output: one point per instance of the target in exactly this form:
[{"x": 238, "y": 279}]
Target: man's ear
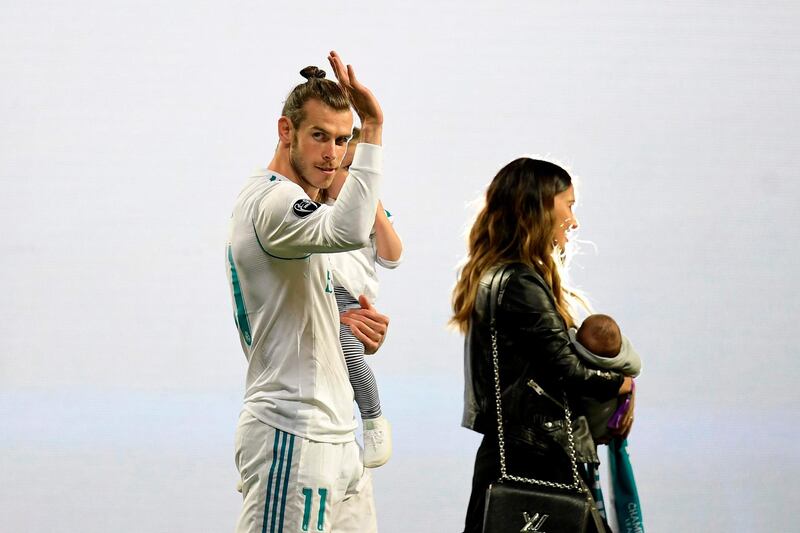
[{"x": 285, "y": 130}]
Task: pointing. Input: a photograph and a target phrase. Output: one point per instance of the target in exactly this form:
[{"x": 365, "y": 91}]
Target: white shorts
[{"x": 291, "y": 484}]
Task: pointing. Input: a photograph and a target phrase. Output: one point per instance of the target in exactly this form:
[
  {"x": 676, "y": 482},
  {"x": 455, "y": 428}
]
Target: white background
[{"x": 127, "y": 129}]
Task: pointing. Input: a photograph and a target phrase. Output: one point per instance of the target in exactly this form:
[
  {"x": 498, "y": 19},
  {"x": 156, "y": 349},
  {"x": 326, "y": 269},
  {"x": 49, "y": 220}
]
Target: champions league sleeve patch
[{"x": 302, "y": 208}]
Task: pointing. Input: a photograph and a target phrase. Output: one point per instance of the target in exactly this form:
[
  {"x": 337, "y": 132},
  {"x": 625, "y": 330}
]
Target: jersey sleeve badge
[{"x": 304, "y": 207}]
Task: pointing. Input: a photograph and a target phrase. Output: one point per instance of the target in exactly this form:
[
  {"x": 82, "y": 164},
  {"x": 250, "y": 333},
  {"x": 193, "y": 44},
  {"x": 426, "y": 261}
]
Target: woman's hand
[
  {"x": 367, "y": 324},
  {"x": 626, "y": 424},
  {"x": 627, "y": 385}
]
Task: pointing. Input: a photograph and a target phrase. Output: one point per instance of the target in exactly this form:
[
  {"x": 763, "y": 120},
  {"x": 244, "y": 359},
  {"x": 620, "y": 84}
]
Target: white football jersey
[{"x": 282, "y": 290}]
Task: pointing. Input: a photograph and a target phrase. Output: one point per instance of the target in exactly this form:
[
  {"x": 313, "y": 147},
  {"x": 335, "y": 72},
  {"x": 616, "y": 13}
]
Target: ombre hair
[{"x": 515, "y": 226}]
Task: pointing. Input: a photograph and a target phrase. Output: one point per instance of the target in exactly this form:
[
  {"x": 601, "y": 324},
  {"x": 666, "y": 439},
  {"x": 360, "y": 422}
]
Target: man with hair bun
[{"x": 299, "y": 464}]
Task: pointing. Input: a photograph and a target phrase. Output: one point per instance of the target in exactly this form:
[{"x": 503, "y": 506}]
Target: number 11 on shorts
[{"x": 308, "y": 493}]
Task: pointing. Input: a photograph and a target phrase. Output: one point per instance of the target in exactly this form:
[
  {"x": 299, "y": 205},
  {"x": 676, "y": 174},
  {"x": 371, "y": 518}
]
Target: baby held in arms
[{"x": 601, "y": 344}]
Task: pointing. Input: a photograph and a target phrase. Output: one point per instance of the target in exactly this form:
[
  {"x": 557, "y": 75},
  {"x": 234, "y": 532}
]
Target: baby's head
[{"x": 600, "y": 335}]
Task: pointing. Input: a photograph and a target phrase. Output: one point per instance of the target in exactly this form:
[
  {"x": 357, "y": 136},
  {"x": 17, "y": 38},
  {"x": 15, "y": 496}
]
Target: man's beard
[
  {"x": 298, "y": 165},
  {"x": 301, "y": 167}
]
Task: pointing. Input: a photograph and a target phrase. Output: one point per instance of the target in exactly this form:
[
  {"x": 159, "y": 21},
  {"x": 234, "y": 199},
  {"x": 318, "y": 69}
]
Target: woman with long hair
[{"x": 523, "y": 228}]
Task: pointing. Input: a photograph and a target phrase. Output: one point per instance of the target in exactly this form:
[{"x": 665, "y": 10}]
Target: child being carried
[{"x": 601, "y": 344}]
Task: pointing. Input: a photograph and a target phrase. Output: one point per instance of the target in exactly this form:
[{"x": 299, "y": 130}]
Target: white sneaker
[{"x": 377, "y": 442}]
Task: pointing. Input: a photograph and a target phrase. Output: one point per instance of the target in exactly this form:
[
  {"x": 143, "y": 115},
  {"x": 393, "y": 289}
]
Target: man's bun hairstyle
[
  {"x": 316, "y": 86},
  {"x": 312, "y": 72}
]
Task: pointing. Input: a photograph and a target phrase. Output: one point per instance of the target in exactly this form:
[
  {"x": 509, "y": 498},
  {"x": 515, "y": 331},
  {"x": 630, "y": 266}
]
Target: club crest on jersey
[{"x": 302, "y": 208}]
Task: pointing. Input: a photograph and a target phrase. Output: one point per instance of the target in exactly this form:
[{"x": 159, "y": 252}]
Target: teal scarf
[{"x": 623, "y": 487}]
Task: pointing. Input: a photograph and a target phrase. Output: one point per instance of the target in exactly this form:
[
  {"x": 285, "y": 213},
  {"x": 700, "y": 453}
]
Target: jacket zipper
[{"x": 541, "y": 392}]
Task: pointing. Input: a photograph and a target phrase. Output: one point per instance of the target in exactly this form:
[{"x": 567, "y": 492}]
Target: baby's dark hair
[
  {"x": 316, "y": 86},
  {"x": 600, "y": 335}
]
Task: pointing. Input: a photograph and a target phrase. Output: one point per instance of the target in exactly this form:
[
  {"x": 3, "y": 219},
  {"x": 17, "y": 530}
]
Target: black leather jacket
[{"x": 534, "y": 350}]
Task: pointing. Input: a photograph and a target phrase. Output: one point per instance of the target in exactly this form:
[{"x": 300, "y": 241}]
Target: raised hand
[{"x": 365, "y": 103}]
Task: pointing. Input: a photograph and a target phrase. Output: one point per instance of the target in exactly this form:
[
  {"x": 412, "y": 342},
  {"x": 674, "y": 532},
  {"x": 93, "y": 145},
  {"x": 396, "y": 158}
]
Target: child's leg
[
  {"x": 362, "y": 379},
  {"x": 377, "y": 430}
]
